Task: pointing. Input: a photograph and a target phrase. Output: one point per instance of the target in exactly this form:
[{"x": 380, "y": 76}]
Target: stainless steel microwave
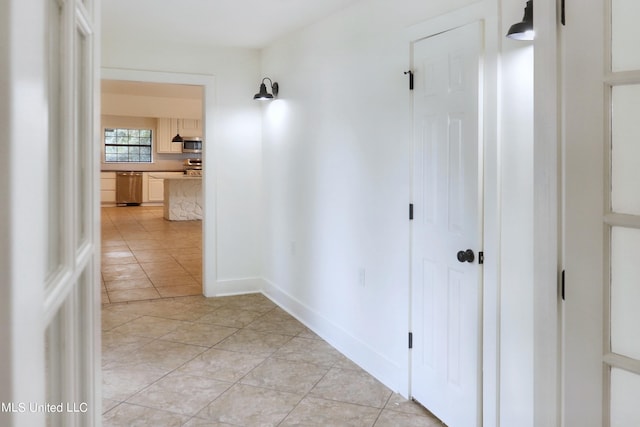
[{"x": 192, "y": 144}]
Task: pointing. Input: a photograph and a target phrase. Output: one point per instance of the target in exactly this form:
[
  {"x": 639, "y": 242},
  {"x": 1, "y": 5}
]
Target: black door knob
[{"x": 466, "y": 256}]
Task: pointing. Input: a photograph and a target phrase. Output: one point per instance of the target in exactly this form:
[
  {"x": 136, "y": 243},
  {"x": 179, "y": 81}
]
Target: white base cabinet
[
  {"x": 153, "y": 188},
  {"x": 108, "y": 187},
  {"x": 156, "y": 189}
]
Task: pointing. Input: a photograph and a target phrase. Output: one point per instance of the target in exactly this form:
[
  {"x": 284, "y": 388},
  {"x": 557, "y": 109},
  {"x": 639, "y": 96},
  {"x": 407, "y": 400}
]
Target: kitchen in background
[
  {"x": 148, "y": 250},
  {"x": 133, "y": 110}
]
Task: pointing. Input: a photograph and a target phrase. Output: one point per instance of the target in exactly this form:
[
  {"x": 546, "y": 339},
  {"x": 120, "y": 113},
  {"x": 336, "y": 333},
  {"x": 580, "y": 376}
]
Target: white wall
[
  {"x": 337, "y": 180},
  {"x": 336, "y": 187},
  {"x": 516, "y": 308},
  {"x": 517, "y": 376},
  {"x": 235, "y": 190},
  {"x": 336, "y": 190}
]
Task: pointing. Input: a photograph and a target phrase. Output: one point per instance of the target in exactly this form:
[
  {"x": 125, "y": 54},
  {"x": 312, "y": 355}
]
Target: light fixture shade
[
  {"x": 263, "y": 93},
  {"x": 523, "y": 30},
  {"x": 177, "y": 138}
]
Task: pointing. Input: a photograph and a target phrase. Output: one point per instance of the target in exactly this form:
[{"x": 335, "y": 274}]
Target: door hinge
[
  {"x": 563, "y": 17},
  {"x": 410, "y": 79},
  {"x": 410, "y": 339},
  {"x": 480, "y": 257},
  {"x": 410, "y": 210},
  {"x": 562, "y": 285}
]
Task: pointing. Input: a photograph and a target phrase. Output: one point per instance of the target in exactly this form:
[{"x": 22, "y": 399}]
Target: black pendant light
[
  {"x": 263, "y": 94},
  {"x": 523, "y": 30},
  {"x": 177, "y": 138}
]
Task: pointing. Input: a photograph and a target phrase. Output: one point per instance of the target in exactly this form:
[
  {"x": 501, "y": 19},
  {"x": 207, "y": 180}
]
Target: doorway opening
[
  {"x": 145, "y": 256},
  {"x": 165, "y": 258}
]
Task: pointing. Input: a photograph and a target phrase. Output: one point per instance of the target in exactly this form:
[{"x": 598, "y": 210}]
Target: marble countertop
[
  {"x": 141, "y": 170},
  {"x": 165, "y": 175}
]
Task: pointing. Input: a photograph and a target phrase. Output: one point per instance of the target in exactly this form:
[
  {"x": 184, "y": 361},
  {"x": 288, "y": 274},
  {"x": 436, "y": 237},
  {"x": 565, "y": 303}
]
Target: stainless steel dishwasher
[{"x": 128, "y": 188}]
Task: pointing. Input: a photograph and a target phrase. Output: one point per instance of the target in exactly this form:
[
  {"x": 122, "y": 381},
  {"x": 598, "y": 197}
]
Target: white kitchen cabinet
[
  {"x": 165, "y": 131},
  {"x": 108, "y": 187},
  {"x": 153, "y": 188},
  {"x": 190, "y": 127},
  {"x": 156, "y": 189}
]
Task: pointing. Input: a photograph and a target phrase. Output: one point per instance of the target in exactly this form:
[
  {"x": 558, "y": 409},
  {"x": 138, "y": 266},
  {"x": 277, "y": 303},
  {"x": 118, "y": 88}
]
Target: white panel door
[
  {"x": 71, "y": 309},
  {"x": 49, "y": 217},
  {"x": 446, "y": 283}
]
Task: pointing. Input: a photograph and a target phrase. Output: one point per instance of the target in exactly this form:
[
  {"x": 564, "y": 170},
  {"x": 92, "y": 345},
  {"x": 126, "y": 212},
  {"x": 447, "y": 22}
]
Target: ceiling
[{"x": 228, "y": 23}]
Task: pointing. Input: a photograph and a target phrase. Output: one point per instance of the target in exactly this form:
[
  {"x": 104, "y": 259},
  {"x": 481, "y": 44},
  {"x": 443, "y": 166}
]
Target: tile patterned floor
[
  {"x": 146, "y": 257},
  {"x": 234, "y": 361},
  {"x": 174, "y": 358}
]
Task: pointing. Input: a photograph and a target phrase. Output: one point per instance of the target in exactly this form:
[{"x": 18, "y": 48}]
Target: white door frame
[
  {"x": 209, "y": 223},
  {"x": 590, "y": 360},
  {"x": 486, "y": 11},
  {"x": 23, "y": 251},
  {"x": 547, "y": 207},
  {"x": 583, "y": 228}
]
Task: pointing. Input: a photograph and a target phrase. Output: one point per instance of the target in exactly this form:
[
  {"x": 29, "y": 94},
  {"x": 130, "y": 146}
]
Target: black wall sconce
[
  {"x": 263, "y": 94},
  {"x": 523, "y": 30}
]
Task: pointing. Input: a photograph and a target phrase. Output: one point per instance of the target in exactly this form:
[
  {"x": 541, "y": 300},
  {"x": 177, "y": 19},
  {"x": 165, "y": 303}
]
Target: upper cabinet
[
  {"x": 164, "y": 136},
  {"x": 190, "y": 127},
  {"x": 168, "y": 128}
]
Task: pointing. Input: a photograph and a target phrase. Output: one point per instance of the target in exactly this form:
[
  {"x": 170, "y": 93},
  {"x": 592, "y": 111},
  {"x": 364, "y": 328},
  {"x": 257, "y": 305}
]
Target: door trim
[
  {"x": 547, "y": 236},
  {"x": 209, "y": 184},
  {"x": 583, "y": 166}
]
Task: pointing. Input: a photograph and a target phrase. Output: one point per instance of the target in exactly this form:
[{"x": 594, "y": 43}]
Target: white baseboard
[
  {"x": 249, "y": 285},
  {"x": 384, "y": 370}
]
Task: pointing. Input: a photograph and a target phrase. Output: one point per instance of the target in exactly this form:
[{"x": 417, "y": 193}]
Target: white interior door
[
  {"x": 446, "y": 282},
  {"x": 49, "y": 217},
  {"x": 72, "y": 296},
  {"x": 50, "y": 323}
]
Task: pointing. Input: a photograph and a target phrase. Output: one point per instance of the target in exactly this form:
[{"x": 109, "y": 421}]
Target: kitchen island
[{"x": 182, "y": 196}]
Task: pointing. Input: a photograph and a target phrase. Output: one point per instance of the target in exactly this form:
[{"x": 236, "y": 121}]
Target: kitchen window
[{"x": 127, "y": 145}]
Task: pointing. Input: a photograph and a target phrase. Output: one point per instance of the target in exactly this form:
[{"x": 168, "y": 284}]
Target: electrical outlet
[{"x": 362, "y": 277}]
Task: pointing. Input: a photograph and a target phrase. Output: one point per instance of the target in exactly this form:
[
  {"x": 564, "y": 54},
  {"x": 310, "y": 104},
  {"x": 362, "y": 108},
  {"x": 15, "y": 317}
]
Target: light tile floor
[
  {"x": 234, "y": 361},
  {"x": 146, "y": 257},
  {"x": 172, "y": 357}
]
